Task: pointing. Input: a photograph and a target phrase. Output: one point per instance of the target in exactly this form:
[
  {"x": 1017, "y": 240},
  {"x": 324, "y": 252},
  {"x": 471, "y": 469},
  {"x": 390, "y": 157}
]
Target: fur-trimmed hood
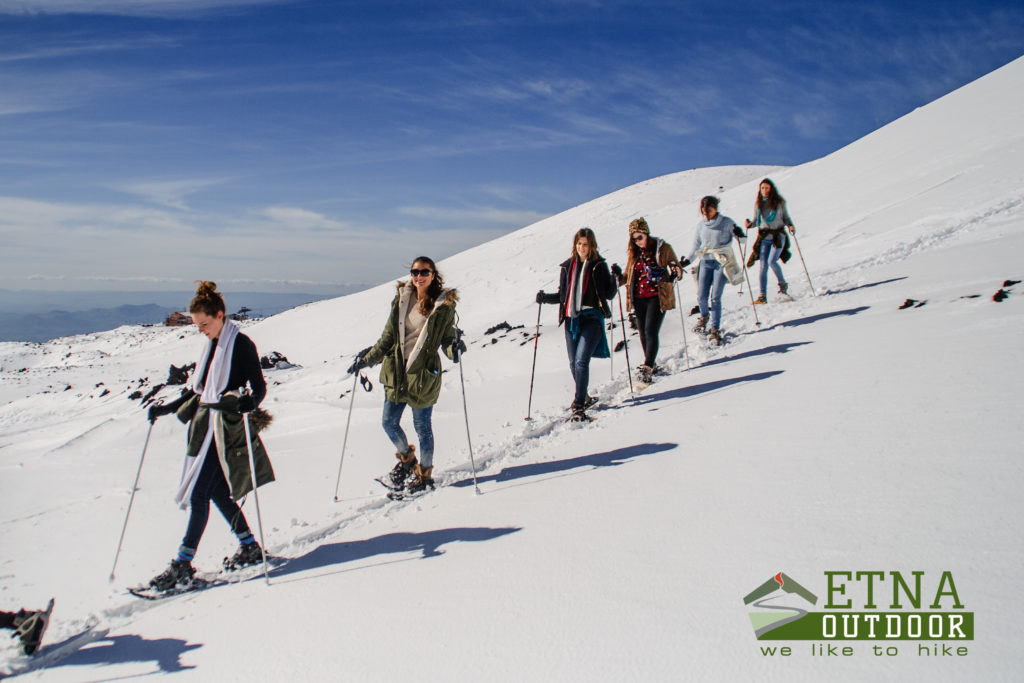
[{"x": 448, "y": 296}]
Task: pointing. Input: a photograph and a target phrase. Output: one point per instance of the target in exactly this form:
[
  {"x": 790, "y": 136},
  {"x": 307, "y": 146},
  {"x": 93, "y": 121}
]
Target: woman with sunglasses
[
  {"x": 651, "y": 268},
  {"x": 422, "y": 320},
  {"x": 584, "y": 287},
  {"x": 712, "y": 244},
  {"x": 771, "y": 220}
]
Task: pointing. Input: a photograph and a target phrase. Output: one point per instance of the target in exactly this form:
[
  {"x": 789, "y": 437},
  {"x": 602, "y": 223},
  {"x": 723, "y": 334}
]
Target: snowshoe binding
[
  {"x": 30, "y": 627},
  {"x": 400, "y": 473},
  {"x": 701, "y": 326},
  {"x": 180, "y": 573},
  {"x": 763, "y": 299},
  {"x": 247, "y": 554},
  {"x": 580, "y": 415},
  {"x": 645, "y": 374},
  {"x": 419, "y": 482},
  {"x": 715, "y": 336}
]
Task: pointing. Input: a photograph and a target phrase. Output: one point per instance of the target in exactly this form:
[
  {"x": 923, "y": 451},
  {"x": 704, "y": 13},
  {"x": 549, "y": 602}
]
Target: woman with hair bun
[
  {"x": 217, "y": 455},
  {"x": 712, "y": 244},
  {"x": 422, "y": 321}
]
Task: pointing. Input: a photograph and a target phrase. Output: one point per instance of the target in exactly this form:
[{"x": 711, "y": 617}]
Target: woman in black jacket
[
  {"x": 216, "y": 463},
  {"x": 584, "y": 286}
]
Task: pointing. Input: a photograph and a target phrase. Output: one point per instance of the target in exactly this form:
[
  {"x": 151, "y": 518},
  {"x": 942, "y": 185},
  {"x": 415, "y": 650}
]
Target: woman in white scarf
[{"x": 226, "y": 364}]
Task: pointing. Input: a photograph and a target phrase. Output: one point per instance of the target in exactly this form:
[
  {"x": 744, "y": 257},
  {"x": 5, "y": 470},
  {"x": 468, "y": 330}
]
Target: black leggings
[
  {"x": 648, "y": 321},
  {"x": 211, "y": 485}
]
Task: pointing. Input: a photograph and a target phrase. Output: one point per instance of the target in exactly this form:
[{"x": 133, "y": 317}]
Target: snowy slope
[{"x": 843, "y": 433}]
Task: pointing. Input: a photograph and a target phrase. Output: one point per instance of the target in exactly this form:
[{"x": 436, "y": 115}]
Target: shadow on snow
[
  {"x": 698, "y": 389},
  {"x": 606, "y": 459},
  {"x": 856, "y": 287},
  {"x": 776, "y": 348},
  {"x": 127, "y": 649},
  {"x": 809, "y": 319},
  {"x": 427, "y": 543}
]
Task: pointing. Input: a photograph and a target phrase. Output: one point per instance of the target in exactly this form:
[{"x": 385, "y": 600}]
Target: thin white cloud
[
  {"x": 302, "y": 218},
  {"x": 517, "y": 218},
  {"x": 171, "y": 193}
]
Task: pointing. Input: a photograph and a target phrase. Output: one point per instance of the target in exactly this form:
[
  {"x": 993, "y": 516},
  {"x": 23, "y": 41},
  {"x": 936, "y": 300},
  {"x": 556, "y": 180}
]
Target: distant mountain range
[{"x": 38, "y": 316}]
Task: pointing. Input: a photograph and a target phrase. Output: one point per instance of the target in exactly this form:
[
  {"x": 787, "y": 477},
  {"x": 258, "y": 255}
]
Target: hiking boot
[
  {"x": 644, "y": 373},
  {"x": 30, "y": 626},
  {"x": 420, "y": 480},
  {"x": 761, "y": 299},
  {"x": 401, "y": 471},
  {"x": 180, "y": 572},
  {"x": 783, "y": 288},
  {"x": 714, "y": 336},
  {"x": 701, "y": 326},
  {"x": 247, "y": 554}
]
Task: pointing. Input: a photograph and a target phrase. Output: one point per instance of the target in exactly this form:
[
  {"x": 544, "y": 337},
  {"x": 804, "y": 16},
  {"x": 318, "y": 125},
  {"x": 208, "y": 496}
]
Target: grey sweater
[
  {"x": 772, "y": 220},
  {"x": 711, "y": 234}
]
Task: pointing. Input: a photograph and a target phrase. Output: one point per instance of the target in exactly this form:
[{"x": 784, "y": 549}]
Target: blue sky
[{"x": 283, "y": 145}]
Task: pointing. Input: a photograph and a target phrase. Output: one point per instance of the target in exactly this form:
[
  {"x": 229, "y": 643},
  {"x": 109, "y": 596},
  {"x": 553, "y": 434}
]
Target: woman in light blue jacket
[
  {"x": 771, "y": 220},
  {"x": 712, "y": 244}
]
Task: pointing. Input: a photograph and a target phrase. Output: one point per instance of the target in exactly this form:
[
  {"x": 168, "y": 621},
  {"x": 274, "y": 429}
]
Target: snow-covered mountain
[{"x": 844, "y": 433}]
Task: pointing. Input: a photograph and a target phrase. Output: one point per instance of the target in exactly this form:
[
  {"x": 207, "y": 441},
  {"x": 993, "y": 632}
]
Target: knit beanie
[{"x": 639, "y": 225}]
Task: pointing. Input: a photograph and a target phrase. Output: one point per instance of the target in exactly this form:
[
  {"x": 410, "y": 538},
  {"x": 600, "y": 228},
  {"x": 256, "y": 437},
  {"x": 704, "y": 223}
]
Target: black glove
[
  {"x": 458, "y": 348},
  {"x": 540, "y": 296},
  {"x": 246, "y": 404},
  {"x": 685, "y": 262},
  {"x": 158, "y": 409},
  {"x": 740, "y": 235},
  {"x": 617, "y": 271},
  {"x": 357, "y": 365}
]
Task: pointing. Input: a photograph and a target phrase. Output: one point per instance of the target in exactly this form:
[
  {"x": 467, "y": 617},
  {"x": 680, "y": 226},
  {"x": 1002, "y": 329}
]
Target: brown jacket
[{"x": 666, "y": 292}]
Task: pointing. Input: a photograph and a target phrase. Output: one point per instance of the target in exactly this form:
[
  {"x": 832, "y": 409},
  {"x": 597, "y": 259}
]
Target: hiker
[
  {"x": 771, "y": 220},
  {"x": 651, "y": 268},
  {"x": 216, "y": 457},
  {"x": 712, "y": 244},
  {"x": 584, "y": 286},
  {"x": 28, "y": 625},
  {"x": 421, "y": 321}
]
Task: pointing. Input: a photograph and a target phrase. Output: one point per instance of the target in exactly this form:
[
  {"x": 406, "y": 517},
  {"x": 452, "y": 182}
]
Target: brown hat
[{"x": 639, "y": 225}]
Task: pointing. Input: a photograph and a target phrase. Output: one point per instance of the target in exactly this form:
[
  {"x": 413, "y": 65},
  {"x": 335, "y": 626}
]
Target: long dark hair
[
  {"x": 591, "y": 239},
  {"x": 774, "y": 199},
  {"x": 436, "y": 285},
  {"x": 207, "y": 299}
]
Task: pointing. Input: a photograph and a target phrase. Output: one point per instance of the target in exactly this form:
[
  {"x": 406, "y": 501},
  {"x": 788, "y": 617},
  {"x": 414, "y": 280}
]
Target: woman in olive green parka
[{"x": 422, "y": 321}]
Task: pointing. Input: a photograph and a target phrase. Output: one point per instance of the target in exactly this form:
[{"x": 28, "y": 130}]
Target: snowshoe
[
  {"x": 30, "y": 627},
  {"x": 701, "y": 326},
  {"x": 763, "y": 299},
  {"x": 246, "y": 555},
  {"x": 644, "y": 374},
  {"x": 180, "y": 573},
  {"x": 591, "y": 401},
  {"x": 580, "y": 415},
  {"x": 400, "y": 473},
  {"x": 418, "y": 483},
  {"x": 784, "y": 292},
  {"x": 715, "y": 336}
]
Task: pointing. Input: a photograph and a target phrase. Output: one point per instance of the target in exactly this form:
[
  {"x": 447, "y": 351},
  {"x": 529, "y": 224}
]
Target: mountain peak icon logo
[{"x": 777, "y": 587}]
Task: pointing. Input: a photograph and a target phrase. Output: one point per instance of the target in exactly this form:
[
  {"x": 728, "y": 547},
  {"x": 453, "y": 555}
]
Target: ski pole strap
[{"x": 365, "y": 381}]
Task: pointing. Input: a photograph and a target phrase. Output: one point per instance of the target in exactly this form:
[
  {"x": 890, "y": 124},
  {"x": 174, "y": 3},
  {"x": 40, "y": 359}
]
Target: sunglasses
[
  {"x": 416, "y": 272},
  {"x": 639, "y": 237}
]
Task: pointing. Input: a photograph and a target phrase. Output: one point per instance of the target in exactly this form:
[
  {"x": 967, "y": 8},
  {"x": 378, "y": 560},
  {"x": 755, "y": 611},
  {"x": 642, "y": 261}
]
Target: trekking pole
[
  {"x": 611, "y": 355},
  {"x": 465, "y": 412},
  {"x": 131, "y": 500},
  {"x": 682, "y": 321},
  {"x": 753, "y": 306},
  {"x": 800, "y": 254},
  {"x": 344, "y": 442},
  {"x": 625, "y": 345},
  {"x": 533, "y": 368},
  {"x": 743, "y": 262},
  {"x": 256, "y": 495}
]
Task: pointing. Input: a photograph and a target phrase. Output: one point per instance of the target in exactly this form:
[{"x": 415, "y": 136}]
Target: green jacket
[
  {"x": 229, "y": 435},
  {"x": 417, "y": 380}
]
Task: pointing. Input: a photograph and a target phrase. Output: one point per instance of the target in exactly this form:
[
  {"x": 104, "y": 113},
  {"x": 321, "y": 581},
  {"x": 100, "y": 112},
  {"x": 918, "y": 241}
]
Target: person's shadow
[
  {"x": 166, "y": 653},
  {"x": 393, "y": 547}
]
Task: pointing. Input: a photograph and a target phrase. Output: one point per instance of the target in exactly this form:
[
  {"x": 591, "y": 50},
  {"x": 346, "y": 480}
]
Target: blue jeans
[
  {"x": 420, "y": 422},
  {"x": 770, "y": 259},
  {"x": 710, "y": 284},
  {"x": 211, "y": 485},
  {"x": 581, "y": 350}
]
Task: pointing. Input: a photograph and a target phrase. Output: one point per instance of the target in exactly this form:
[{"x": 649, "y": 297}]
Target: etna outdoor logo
[
  {"x": 779, "y": 586},
  {"x": 863, "y": 605}
]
